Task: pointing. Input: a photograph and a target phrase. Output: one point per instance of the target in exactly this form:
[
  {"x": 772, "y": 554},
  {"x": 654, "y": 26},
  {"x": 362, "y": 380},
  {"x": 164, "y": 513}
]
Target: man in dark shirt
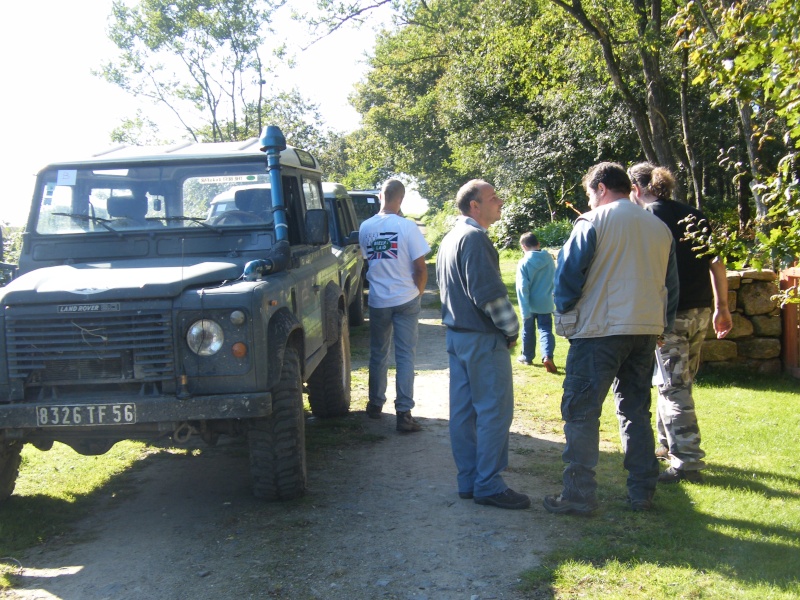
[{"x": 703, "y": 280}]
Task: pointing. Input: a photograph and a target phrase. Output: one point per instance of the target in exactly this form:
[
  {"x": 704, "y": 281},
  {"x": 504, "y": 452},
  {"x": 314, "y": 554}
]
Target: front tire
[
  {"x": 277, "y": 443},
  {"x": 9, "y": 468},
  {"x": 329, "y": 385}
]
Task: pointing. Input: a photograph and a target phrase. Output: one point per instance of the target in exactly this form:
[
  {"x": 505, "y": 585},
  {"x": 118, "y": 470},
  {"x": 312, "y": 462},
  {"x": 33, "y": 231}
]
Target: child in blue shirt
[{"x": 535, "y": 275}]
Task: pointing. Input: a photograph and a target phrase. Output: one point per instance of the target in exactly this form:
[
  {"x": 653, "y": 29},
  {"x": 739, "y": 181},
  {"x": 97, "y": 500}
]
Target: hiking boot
[
  {"x": 465, "y": 495},
  {"x": 523, "y": 361},
  {"x": 559, "y": 505},
  {"x": 406, "y": 423},
  {"x": 374, "y": 411},
  {"x": 662, "y": 453},
  {"x": 508, "y": 499},
  {"x": 550, "y": 365},
  {"x": 674, "y": 475}
]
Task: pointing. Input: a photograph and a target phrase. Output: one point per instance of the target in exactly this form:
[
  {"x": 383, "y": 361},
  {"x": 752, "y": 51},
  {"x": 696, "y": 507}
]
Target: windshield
[{"x": 151, "y": 197}]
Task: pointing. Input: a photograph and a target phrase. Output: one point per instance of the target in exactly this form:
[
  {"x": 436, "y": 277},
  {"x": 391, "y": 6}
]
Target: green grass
[
  {"x": 735, "y": 536},
  {"x": 55, "y": 489}
]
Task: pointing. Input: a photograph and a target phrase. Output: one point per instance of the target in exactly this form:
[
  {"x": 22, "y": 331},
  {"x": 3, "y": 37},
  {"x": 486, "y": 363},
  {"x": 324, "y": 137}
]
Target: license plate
[{"x": 85, "y": 414}]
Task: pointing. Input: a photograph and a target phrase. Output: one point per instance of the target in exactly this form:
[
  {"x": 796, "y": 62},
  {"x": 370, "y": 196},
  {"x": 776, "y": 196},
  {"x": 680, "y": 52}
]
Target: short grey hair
[{"x": 467, "y": 193}]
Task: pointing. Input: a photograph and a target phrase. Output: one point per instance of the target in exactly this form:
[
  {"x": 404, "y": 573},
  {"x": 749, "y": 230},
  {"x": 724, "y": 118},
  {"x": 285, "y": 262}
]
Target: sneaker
[
  {"x": 465, "y": 495},
  {"x": 559, "y": 505},
  {"x": 550, "y": 365},
  {"x": 523, "y": 361},
  {"x": 508, "y": 499},
  {"x": 406, "y": 423},
  {"x": 673, "y": 475},
  {"x": 662, "y": 453},
  {"x": 374, "y": 411}
]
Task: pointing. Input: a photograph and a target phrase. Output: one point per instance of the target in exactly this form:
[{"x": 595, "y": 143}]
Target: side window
[
  {"x": 348, "y": 222},
  {"x": 295, "y": 215},
  {"x": 344, "y": 222},
  {"x": 312, "y": 193}
]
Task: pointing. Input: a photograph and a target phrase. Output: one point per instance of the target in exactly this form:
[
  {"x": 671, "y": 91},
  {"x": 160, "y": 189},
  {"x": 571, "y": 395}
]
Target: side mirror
[
  {"x": 351, "y": 239},
  {"x": 317, "y": 232}
]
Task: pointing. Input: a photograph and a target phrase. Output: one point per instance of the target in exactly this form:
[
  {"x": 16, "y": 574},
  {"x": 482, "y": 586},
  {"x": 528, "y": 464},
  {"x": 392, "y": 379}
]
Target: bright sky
[{"x": 56, "y": 109}]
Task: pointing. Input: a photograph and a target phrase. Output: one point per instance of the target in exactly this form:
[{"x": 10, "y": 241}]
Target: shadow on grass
[
  {"x": 753, "y": 481},
  {"x": 676, "y": 533}
]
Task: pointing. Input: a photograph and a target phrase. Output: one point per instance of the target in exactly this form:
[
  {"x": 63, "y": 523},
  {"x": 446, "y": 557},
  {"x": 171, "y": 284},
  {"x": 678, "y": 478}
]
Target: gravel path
[{"x": 380, "y": 520}]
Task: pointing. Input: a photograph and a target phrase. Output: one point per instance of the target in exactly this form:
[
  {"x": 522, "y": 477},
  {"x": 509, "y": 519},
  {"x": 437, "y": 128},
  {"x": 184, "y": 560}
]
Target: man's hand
[{"x": 723, "y": 322}]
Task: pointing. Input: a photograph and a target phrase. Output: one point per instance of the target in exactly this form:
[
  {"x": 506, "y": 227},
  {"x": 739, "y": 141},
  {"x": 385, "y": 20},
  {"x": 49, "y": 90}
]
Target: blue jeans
[
  {"x": 546, "y": 338},
  {"x": 593, "y": 365},
  {"x": 481, "y": 409},
  {"x": 402, "y": 323}
]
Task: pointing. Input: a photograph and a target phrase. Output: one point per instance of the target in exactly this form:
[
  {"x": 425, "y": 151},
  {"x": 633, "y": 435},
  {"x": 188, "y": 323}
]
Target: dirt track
[{"x": 380, "y": 520}]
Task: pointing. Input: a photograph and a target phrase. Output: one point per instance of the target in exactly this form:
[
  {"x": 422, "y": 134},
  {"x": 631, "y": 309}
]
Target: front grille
[{"x": 128, "y": 346}]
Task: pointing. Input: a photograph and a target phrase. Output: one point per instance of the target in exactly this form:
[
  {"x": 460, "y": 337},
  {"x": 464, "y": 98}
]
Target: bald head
[{"x": 393, "y": 192}]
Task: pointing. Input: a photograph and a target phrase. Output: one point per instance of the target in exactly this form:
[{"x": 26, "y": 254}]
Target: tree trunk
[
  {"x": 746, "y": 114},
  {"x": 638, "y": 115},
  {"x": 694, "y": 176}
]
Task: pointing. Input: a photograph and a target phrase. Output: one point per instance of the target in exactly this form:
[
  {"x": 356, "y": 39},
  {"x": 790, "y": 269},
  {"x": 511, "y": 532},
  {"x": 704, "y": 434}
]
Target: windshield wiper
[
  {"x": 83, "y": 217},
  {"x": 198, "y": 220}
]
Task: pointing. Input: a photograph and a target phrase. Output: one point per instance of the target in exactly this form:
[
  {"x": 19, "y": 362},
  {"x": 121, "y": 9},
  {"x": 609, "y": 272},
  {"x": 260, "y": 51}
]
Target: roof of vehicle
[
  {"x": 191, "y": 151},
  {"x": 364, "y": 192},
  {"x": 329, "y": 188}
]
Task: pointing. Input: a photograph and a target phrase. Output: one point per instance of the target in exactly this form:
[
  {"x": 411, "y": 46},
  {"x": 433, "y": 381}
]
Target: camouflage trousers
[{"x": 676, "y": 421}]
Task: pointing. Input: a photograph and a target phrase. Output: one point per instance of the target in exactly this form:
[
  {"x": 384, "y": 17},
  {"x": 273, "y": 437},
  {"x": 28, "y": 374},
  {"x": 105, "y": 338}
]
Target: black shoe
[
  {"x": 508, "y": 499},
  {"x": 559, "y": 505},
  {"x": 373, "y": 411},
  {"x": 642, "y": 505},
  {"x": 406, "y": 423},
  {"x": 465, "y": 495},
  {"x": 673, "y": 475}
]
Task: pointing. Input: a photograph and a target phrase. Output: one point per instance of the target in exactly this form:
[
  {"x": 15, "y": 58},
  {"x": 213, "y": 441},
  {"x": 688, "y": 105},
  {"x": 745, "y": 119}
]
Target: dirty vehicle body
[
  {"x": 343, "y": 226},
  {"x": 135, "y": 316}
]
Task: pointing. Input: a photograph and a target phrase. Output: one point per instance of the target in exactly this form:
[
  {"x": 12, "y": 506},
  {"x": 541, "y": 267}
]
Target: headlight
[{"x": 205, "y": 337}]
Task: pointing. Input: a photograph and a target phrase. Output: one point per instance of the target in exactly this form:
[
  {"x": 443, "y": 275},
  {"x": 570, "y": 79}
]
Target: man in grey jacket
[
  {"x": 616, "y": 292},
  {"x": 481, "y": 327}
]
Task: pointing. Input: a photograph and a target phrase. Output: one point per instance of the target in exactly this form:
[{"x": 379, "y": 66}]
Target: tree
[
  {"x": 748, "y": 53},
  {"x": 200, "y": 60},
  {"x": 529, "y": 94}
]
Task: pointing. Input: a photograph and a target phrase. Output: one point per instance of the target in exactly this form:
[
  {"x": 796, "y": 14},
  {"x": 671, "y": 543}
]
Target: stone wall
[{"x": 754, "y": 343}]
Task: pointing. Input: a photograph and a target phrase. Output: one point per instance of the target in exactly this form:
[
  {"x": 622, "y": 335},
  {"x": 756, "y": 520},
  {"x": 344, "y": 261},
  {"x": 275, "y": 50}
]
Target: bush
[
  {"x": 438, "y": 224},
  {"x": 553, "y": 234}
]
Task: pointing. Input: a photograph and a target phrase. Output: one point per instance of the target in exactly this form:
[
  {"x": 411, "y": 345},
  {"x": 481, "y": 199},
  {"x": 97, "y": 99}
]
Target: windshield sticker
[
  {"x": 227, "y": 179},
  {"x": 66, "y": 177}
]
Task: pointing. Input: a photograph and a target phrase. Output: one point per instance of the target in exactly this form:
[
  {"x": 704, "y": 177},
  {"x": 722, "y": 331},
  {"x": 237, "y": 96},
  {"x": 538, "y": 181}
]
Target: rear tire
[
  {"x": 329, "y": 385},
  {"x": 9, "y": 468},
  {"x": 357, "y": 306},
  {"x": 277, "y": 443}
]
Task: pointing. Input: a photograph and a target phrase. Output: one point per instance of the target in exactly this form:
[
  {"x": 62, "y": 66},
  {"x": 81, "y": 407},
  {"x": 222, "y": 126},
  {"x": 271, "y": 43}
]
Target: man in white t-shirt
[{"x": 395, "y": 250}]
